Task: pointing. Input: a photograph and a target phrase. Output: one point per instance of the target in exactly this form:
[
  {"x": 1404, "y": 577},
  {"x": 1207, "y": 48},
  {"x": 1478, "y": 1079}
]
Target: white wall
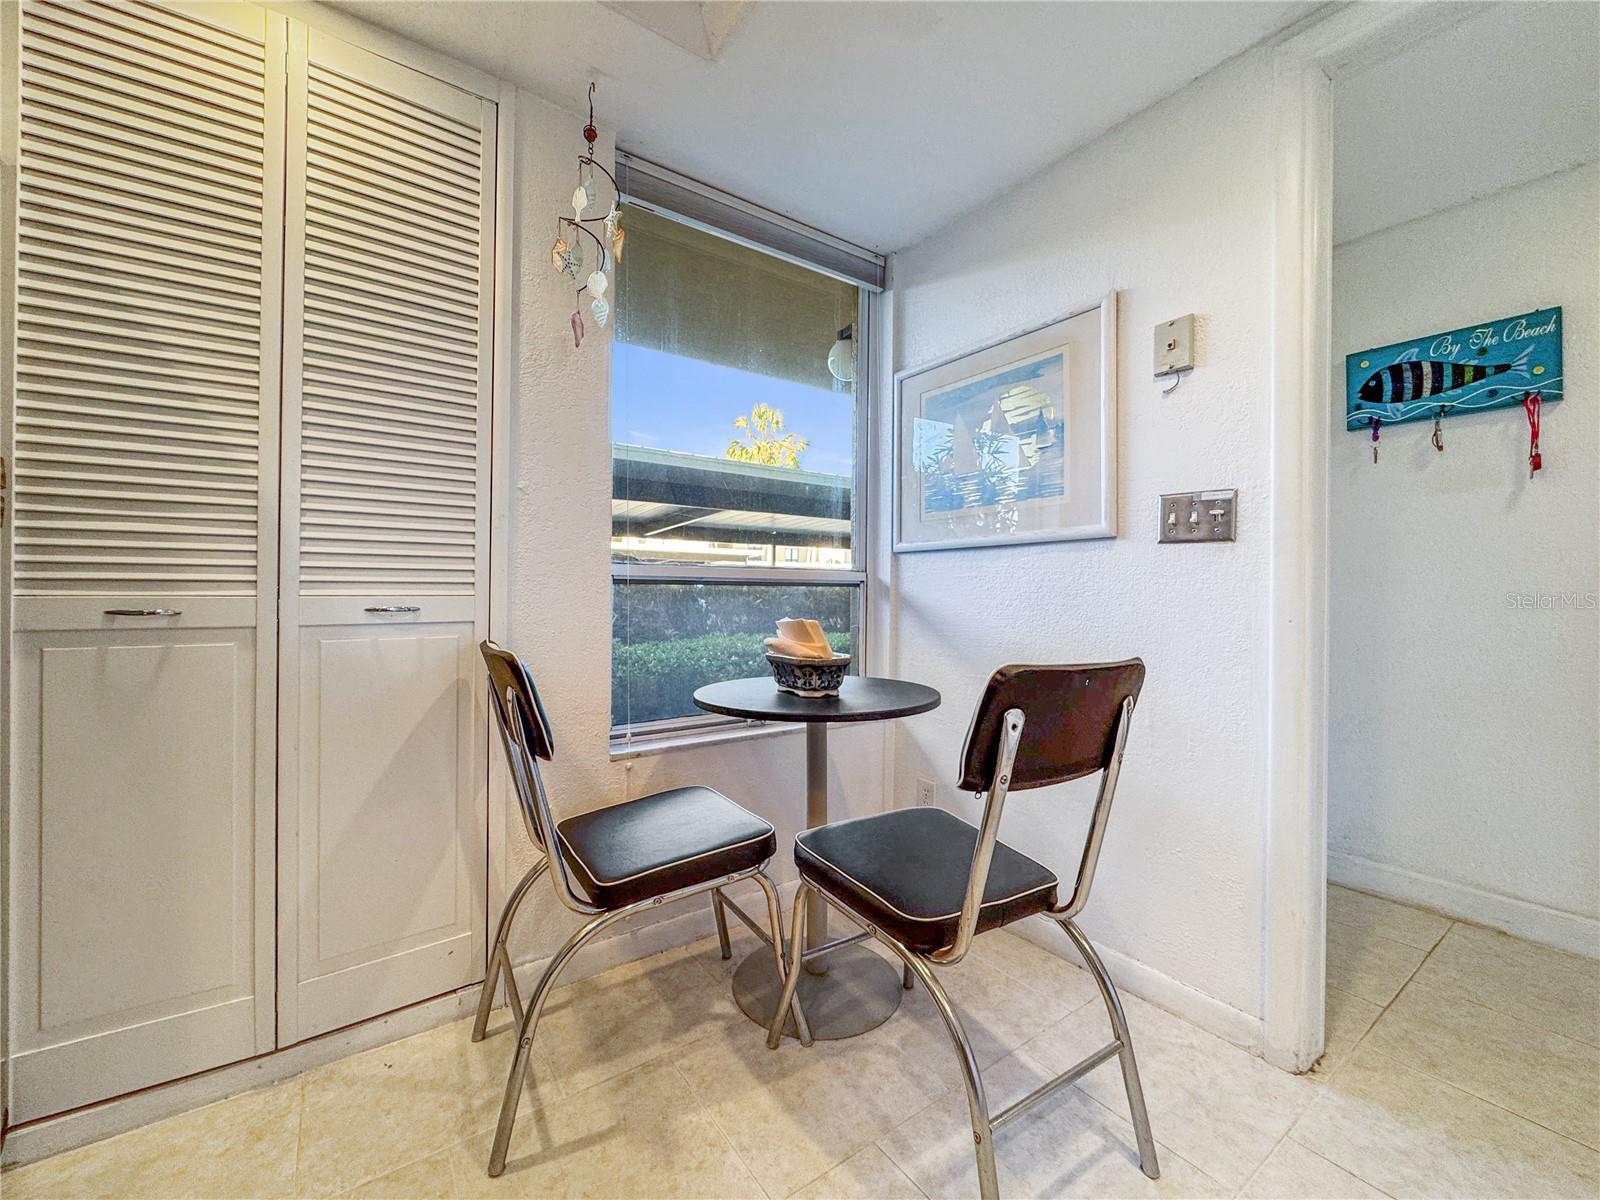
[
  {"x": 1508, "y": 94},
  {"x": 560, "y": 585},
  {"x": 1172, "y": 209},
  {"x": 1464, "y": 757}
]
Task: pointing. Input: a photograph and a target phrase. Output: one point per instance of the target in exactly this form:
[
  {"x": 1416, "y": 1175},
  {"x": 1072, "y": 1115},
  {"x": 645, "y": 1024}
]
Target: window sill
[{"x": 664, "y": 743}]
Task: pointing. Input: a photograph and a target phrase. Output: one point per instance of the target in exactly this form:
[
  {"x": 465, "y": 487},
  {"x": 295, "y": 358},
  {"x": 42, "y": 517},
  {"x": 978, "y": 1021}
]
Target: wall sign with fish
[{"x": 1492, "y": 365}]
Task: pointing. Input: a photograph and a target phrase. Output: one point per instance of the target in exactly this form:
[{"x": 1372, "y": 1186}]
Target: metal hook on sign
[{"x": 1438, "y": 435}]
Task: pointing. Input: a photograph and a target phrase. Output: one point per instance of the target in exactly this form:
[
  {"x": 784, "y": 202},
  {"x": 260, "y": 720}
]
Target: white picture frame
[{"x": 1013, "y": 442}]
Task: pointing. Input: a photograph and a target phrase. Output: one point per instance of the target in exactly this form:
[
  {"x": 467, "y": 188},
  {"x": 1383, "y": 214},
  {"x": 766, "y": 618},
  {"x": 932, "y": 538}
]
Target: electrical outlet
[{"x": 925, "y": 793}]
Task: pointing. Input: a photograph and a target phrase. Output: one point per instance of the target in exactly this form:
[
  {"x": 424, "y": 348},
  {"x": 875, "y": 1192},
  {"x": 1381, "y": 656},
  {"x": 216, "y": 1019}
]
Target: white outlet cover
[{"x": 1174, "y": 346}]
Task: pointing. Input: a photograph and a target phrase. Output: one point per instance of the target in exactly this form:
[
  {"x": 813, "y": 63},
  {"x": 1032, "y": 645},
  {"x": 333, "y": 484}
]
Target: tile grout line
[
  {"x": 1288, "y": 1134},
  {"x": 1250, "y": 1178},
  {"x": 1440, "y": 1079},
  {"x": 711, "y": 1116},
  {"x": 299, "y": 1134},
  {"x": 1417, "y": 1070},
  {"x": 1318, "y": 1154},
  {"x": 1510, "y": 1112},
  {"x": 1384, "y": 1009}
]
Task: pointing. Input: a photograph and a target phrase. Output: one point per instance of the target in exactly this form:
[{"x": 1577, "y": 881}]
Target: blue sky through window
[{"x": 672, "y": 402}]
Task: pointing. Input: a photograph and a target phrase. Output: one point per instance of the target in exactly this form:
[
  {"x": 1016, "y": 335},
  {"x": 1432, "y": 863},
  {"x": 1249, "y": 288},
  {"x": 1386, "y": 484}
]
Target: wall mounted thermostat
[
  {"x": 1175, "y": 346},
  {"x": 1198, "y": 516}
]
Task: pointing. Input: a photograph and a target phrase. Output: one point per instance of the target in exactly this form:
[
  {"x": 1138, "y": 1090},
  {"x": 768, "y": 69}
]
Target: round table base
[{"x": 859, "y": 992}]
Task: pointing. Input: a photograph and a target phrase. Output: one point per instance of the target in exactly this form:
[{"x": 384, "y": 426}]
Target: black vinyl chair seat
[
  {"x": 906, "y": 872},
  {"x": 661, "y": 843}
]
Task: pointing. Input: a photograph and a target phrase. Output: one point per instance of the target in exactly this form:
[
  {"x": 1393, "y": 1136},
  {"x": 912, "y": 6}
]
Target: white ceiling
[
  {"x": 877, "y": 122},
  {"x": 1510, "y": 94}
]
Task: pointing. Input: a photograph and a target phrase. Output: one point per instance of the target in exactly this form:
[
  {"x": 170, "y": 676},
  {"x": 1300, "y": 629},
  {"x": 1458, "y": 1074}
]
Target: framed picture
[{"x": 1012, "y": 443}]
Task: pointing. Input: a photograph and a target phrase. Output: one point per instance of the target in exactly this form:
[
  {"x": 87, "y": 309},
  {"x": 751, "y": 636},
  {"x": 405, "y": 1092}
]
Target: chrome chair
[
  {"x": 925, "y": 883},
  {"x": 610, "y": 864}
]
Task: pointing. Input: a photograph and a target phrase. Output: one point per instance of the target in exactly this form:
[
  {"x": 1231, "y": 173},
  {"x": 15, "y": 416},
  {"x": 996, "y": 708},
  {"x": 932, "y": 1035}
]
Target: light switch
[
  {"x": 1198, "y": 516},
  {"x": 1175, "y": 346}
]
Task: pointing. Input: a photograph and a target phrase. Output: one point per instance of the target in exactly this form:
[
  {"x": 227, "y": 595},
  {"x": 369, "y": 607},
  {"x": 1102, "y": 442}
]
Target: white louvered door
[
  {"x": 145, "y": 431},
  {"x": 383, "y": 771}
]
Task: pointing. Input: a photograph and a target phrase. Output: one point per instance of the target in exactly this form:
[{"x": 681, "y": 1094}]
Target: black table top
[{"x": 860, "y": 698}]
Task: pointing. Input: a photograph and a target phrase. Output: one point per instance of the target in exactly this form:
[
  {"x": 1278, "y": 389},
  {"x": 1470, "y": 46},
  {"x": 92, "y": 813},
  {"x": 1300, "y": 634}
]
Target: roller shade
[{"x": 652, "y": 186}]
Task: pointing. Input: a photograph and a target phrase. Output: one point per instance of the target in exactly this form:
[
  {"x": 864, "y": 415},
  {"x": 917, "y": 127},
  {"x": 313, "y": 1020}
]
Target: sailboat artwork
[
  {"x": 1492, "y": 365},
  {"x": 993, "y": 441},
  {"x": 1013, "y": 442}
]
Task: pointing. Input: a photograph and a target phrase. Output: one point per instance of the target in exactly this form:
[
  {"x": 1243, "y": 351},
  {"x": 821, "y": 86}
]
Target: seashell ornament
[
  {"x": 601, "y": 311},
  {"x": 577, "y": 329},
  {"x": 558, "y": 253},
  {"x": 580, "y": 200},
  {"x": 597, "y": 284}
]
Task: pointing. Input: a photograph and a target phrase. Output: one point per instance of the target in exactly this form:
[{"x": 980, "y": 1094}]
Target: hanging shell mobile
[{"x": 566, "y": 252}]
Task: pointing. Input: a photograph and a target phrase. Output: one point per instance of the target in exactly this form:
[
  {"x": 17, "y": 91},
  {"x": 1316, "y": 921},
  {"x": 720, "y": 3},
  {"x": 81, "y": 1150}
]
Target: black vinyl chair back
[
  {"x": 525, "y": 734},
  {"x": 508, "y": 676},
  {"x": 1070, "y": 722}
]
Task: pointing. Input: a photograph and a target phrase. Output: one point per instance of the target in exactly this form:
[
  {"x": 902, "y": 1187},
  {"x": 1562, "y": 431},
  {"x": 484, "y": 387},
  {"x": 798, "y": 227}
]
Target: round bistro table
[{"x": 848, "y": 989}]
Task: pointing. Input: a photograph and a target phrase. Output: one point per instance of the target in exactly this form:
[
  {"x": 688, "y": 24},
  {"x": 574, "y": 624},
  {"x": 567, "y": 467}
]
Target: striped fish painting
[
  {"x": 1473, "y": 369},
  {"x": 1405, "y": 382}
]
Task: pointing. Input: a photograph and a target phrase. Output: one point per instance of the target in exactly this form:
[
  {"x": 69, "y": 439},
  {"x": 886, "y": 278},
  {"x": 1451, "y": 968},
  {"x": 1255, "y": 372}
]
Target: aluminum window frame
[{"x": 629, "y": 735}]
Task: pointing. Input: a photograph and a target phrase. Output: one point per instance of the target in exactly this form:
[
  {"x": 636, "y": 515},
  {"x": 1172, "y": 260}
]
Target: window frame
[{"x": 627, "y": 739}]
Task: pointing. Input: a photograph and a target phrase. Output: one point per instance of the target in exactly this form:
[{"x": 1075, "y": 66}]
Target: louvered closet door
[
  {"x": 145, "y": 435},
  {"x": 386, "y": 508}
]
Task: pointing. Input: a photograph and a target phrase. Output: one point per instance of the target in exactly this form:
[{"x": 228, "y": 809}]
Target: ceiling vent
[{"x": 702, "y": 27}]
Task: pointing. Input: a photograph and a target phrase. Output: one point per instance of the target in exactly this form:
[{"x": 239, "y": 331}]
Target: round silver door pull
[{"x": 144, "y": 612}]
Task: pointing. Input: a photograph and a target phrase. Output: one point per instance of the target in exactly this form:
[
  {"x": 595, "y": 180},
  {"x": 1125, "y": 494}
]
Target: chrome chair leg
[
  {"x": 791, "y": 976},
  {"x": 775, "y": 921},
  {"x": 499, "y": 958},
  {"x": 525, "y": 1032},
  {"x": 722, "y": 923},
  {"x": 1119, "y": 1029},
  {"x": 977, "y": 1104}
]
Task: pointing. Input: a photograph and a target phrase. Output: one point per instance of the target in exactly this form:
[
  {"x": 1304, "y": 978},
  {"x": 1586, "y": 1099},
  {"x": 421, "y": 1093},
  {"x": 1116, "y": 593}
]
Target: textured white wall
[
  {"x": 560, "y": 581},
  {"x": 1172, "y": 209},
  {"x": 1464, "y": 758}
]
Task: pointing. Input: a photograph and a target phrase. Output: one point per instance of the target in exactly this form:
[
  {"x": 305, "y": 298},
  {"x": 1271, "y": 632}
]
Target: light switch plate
[
  {"x": 1175, "y": 346},
  {"x": 1198, "y": 516}
]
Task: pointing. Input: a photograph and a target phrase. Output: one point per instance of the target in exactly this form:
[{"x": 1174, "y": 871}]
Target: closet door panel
[
  {"x": 145, "y": 863},
  {"x": 144, "y": 558},
  {"x": 386, "y": 571}
]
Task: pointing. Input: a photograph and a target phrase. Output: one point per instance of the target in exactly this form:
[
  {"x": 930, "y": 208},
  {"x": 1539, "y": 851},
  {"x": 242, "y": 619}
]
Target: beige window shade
[{"x": 686, "y": 292}]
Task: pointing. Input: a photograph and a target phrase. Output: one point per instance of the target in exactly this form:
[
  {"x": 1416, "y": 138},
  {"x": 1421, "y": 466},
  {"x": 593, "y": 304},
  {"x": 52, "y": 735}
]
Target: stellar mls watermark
[{"x": 1573, "y": 601}]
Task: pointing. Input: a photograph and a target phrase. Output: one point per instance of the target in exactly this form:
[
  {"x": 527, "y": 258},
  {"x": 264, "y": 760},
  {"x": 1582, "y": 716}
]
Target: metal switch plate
[{"x": 1198, "y": 516}]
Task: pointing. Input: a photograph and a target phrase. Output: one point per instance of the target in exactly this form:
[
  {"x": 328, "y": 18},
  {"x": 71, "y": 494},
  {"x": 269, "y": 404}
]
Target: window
[{"x": 735, "y": 464}]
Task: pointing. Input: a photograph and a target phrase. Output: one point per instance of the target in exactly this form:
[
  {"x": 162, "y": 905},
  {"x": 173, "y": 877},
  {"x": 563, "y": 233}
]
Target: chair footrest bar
[
  {"x": 761, "y": 933},
  {"x": 836, "y": 944},
  {"x": 1065, "y": 1079}
]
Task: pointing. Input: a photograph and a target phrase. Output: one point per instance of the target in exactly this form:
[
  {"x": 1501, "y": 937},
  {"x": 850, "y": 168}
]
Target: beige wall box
[{"x": 1174, "y": 349}]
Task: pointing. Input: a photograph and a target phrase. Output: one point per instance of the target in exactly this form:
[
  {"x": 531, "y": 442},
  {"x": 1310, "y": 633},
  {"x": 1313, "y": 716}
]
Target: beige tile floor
[{"x": 1460, "y": 1063}]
